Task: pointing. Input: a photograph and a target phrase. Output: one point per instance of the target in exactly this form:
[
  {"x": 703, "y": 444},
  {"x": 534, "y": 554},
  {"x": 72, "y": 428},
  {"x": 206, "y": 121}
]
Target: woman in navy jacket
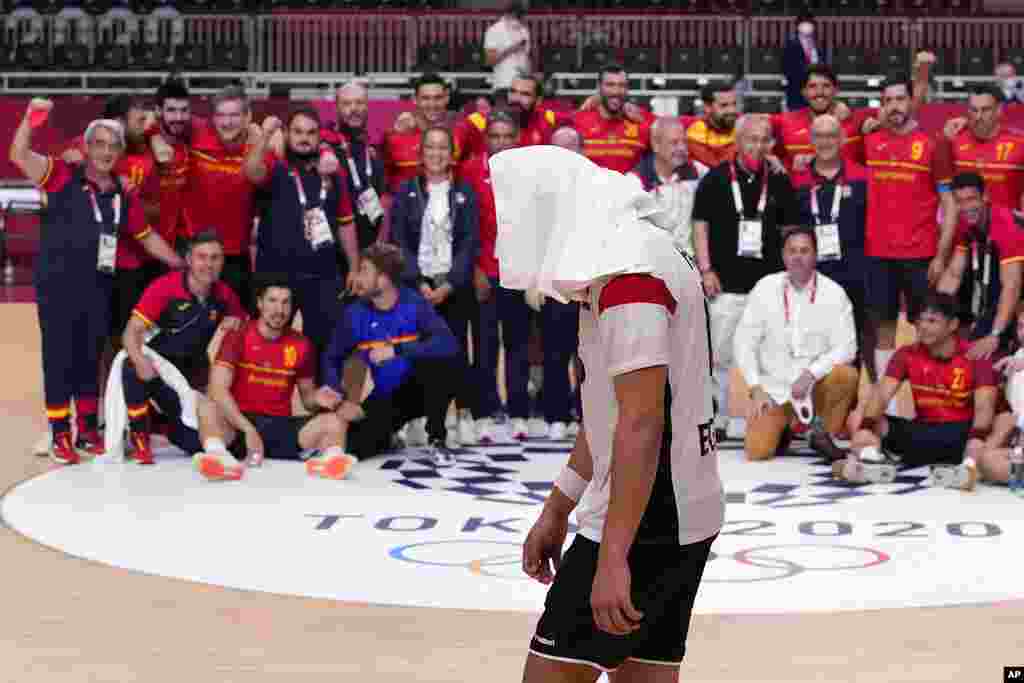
[{"x": 435, "y": 221}]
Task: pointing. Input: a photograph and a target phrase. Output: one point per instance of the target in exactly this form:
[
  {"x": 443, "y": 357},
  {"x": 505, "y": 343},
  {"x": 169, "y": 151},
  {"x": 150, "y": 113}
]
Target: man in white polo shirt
[
  {"x": 644, "y": 467},
  {"x": 507, "y": 44}
]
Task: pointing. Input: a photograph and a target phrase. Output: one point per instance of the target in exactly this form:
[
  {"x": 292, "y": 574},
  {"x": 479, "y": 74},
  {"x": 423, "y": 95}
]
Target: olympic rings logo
[{"x": 749, "y": 565}]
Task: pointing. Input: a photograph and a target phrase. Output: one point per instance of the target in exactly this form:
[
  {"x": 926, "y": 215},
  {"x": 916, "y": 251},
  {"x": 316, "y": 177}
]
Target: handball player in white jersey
[{"x": 644, "y": 469}]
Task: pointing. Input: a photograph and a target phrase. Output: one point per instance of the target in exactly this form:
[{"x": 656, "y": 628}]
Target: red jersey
[
  {"x": 266, "y": 370},
  {"x": 172, "y": 179},
  {"x": 402, "y": 154},
  {"x": 708, "y": 145},
  {"x": 477, "y": 174},
  {"x": 903, "y": 204},
  {"x": 474, "y": 132},
  {"x": 792, "y": 132},
  {"x": 219, "y": 195},
  {"x": 942, "y": 388},
  {"x": 1002, "y": 231},
  {"x": 999, "y": 160},
  {"x": 617, "y": 144}
]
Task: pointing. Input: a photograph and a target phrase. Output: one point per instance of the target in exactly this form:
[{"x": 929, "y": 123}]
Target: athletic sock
[
  {"x": 59, "y": 417},
  {"x": 138, "y": 418},
  {"x": 215, "y": 445},
  {"x": 86, "y": 419}
]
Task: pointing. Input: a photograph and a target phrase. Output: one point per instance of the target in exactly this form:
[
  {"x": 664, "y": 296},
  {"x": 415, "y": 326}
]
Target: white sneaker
[
  {"x": 519, "y": 430},
  {"x": 451, "y": 439},
  {"x": 962, "y": 476},
  {"x": 416, "y": 433},
  {"x": 557, "y": 431},
  {"x": 538, "y": 428},
  {"x": 857, "y": 472},
  {"x": 487, "y": 431},
  {"x": 467, "y": 430}
]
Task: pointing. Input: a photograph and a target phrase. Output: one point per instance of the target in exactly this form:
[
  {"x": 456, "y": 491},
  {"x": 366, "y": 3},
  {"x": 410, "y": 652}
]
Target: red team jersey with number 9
[{"x": 943, "y": 388}]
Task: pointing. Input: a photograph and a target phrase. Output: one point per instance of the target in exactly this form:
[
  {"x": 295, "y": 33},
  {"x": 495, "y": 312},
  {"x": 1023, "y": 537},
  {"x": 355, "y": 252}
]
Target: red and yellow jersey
[
  {"x": 617, "y": 144},
  {"x": 708, "y": 145},
  {"x": 474, "y": 127},
  {"x": 906, "y": 172},
  {"x": 792, "y": 132},
  {"x": 266, "y": 370},
  {"x": 942, "y": 388},
  {"x": 999, "y": 161}
]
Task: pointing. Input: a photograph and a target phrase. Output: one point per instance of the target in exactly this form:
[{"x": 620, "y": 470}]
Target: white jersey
[{"x": 633, "y": 322}]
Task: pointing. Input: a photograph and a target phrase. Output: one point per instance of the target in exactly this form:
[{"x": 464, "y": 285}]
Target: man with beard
[
  {"x": 365, "y": 177},
  {"x": 177, "y": 317},
  {"x": 257, "y": 370},
  {"x": 712, "y": 139},
  {"x": 169, "y": 140},
  {"x": 307, "y": 219},
  {"x": 88, "y": 213},
  {"x": 610, "y": 139},
  {"x": 535, "y": 123},
  {"x": 990, "y": 251},
  {"x": 409, "y": 350},
  {"x": 910, "y": 172},
  {"x": 668, "y": 173}
]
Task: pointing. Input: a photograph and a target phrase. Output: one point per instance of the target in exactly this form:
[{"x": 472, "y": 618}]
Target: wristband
[{"x": 571, "y": 484}]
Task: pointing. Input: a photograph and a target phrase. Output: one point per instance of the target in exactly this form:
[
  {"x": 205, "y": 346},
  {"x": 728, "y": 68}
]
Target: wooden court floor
[{"x": 65, "y": 619}]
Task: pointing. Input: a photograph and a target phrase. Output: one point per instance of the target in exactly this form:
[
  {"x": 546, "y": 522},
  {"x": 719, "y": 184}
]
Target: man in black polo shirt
[
  {"x": 738, "y": 214},
  {"x": 304, "y": 221},
  {"x": 177, "y": 317}
]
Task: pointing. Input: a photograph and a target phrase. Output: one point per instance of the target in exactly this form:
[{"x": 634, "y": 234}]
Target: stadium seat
[
  {"x": 762, "y": 104},
  {"x": 113, "y": 57},
  {"x": 435, "y": 57},
  {"x": 976, "y": 61},
  {"x": 227, "y": 56},
  {"x": 848, "y": 61},
  {"x": 596, "y": 56},
  {"x": 152, "y": 56},
  {"x": 766, "y": 60},
  {"x": 471, "y": 57},
  {"x": 725, "y": 60},
  {"x": 1015, "y": 56},
  {"x": 768, "y": 7},
  {"x": 559, "y": 59},
  {"x": 190, "y": 57},
  {"x": 195, "y": 6},
  {"x": 72, "y": 57},
  {"x": 97, "y": 7},
  {"x": 857, "y": 102},
  {"x": 642, "y": 60},
  {"x": 47, "y": 6},
  {"x": 894, "y": 60},
  {"x": 31, "y": 57},
  {"x": 232, "y": 6},
  {"x": 144, "y": 6},
  {"x": 685, "y": 60}
]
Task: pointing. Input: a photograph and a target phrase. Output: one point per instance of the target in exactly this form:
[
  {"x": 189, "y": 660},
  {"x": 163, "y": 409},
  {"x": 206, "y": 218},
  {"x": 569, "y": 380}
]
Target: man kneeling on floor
[
  {"x": 411, "y": 354},
  {"x": 954, "y": 403},
  {"x": 252, "y": 381},
  {"x": 794, "y": 345}
]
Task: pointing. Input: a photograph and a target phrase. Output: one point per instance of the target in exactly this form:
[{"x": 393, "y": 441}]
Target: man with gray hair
[
  {"x": 739, "y": 211},
  {"x": 671, "y": 176}
]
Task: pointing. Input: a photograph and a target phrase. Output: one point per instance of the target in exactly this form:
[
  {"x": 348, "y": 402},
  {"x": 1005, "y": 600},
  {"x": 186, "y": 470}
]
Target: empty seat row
[{"x": 142, "y": 57}]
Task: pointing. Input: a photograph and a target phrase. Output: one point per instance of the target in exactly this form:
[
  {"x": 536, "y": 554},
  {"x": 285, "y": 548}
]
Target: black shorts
[
  {"x": 887, "y": 279},
  {"x": 128, "y": 288},
  {"x": 280, "y": 436},
  {"x": 664, "y": 580},
  {"x": 927, "y": 443}
]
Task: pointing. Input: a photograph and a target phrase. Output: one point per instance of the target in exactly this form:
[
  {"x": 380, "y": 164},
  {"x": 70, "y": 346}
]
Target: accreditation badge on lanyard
[
  {"x": 829, "y": 246},
  {"x": 106, "y": 258},
  {"x": 982, "y": 278},
  {"x": 750, "y": 243},
  {"x": 317, "y": 229},
  {"x": 367, "y": 199}
]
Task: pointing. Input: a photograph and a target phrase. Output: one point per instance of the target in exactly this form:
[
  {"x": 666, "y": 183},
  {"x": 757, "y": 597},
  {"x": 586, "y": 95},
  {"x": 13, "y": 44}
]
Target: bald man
[{"x": 670, "y": 175}]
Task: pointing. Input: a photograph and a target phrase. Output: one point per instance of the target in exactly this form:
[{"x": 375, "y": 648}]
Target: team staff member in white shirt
[
  {"x": 507, "y": 44},
  {"x": 794, "y": 346},
  {"x": 644, "y": 468}
]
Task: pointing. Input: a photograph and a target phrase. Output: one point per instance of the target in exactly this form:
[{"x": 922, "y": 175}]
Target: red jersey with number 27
[{"x": 943, "y": 388}]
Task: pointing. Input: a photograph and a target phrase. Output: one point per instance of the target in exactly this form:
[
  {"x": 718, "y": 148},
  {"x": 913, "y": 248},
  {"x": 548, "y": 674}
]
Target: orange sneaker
[
  {"x": 63, "y": 451},
  {"x": 143, "y": 453},
  {"x": 331, "y": 466},
  {"x": 218, "y": 466}
]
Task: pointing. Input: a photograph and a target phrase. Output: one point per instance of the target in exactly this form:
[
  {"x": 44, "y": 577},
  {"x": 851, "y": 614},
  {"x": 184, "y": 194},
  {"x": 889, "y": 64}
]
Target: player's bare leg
[
  {"x": 215, "y": 462},
  {"x": 994, "y": 463},
  {"x": 543, "y": 670},
  {"x": 633, "y": 671}
]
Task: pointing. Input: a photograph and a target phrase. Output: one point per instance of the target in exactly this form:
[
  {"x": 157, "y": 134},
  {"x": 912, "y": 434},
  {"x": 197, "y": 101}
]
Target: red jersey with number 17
[
  {"x": 266, "y": 370},
  {"x": 903, "y": 195},
  {"x": 998, "y": 160},
  {"x": 942, "y": 388}
]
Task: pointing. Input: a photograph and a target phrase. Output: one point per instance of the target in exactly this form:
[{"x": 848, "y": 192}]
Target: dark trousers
[
  {"x": 318, "y": 300},
  {"x": 74, "y": 325},
  {"x": 138, "y": 393},
  {"x": 849, "y": 273},
  {"x": 560, "y": 337},
  {"x": 427, "y": 391},
  {"x": 237, "y": 273},
  {"x": 458, "y": 310},
  {"x": 508, "y": 308}
]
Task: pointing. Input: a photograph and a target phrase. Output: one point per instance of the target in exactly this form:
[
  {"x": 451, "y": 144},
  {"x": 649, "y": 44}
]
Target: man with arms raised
[{"x": 644, "y": 468}]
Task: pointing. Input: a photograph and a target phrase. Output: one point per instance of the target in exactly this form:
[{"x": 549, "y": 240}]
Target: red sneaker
[
  {"x": 63, "y": 451},
  {"x": 89, "y": 444},
  {"x": 143, "y": 454}
]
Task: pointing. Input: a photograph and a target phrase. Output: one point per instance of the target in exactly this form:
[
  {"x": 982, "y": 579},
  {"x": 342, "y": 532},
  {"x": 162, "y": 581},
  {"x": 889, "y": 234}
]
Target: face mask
[{"x": 806, "y": 29}]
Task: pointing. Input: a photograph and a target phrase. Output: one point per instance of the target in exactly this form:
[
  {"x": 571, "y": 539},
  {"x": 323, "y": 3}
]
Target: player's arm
[
  {"x": 920, "y": 86},
  {"x": 878, "y": 400},
  {"x": 1010, "y": 276},
  {"x": 953, "y": 276},
  {"x": 985, "y": 400},
  {"x": 222, "y": 374},
  {"x": 35, "y": 166},
  {"x": 256, "y": 166},
  {"x": 570, "y": 484},
  {"x": 307, "y": 393},
  {"x": 134, "y": 338},
  {"x": 149, "y": 239}
]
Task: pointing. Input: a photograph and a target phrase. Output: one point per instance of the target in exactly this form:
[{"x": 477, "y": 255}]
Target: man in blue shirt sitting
[{"x": 409, "y": 350}]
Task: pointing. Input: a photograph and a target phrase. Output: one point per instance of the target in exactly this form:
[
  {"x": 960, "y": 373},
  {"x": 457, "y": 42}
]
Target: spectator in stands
[
  {"x": 88, "y": 212},
  {"x": 257, "y": 370},
  {"x": 610, "y": 139},
  {"x": 907, "y": 253},
  {"x": 568, "y": 137},
  {"x": 401, "y": 145},
  {"x": 981, "y": 143},
  {"x": 307, "y": 219},
  {"x": 738, "y": 214},
  {"x": 801, "y": 52},
  {"x": 435, "y": 221},
  {"x": 176, "y": 318},
  {"x": 712, "y": 138},
  {"x": 994, "y": 463},
  {"x": 410, "y": 352},
  {"x": 1006, "y": 75},
  {"x": 534, "y": 121},
  {"x": 833, "y": 196},
  {"x": 954, "y": 404},
  {"x": 365, "y": 171},
  {"x": 220, "y": 194},
  {"x": 672, "y": 177},
  {"x": 495, "y": 304},
  {"x": 989, "y": 250},
  {"x": 507, "y": 45},
  {"x": 794, "y": 345}
]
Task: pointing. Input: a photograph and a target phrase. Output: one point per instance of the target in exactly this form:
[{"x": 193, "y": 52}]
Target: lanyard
[
  {"x": 352, "y": 166},
  {"x": 738, "y": 197},
  {"x": 96, "y": 208},
  {"x": 837, "y": 197},
  {"x": 982, "y": 275},
  {"x": 302, "y": 192},
  {"x": 785, "y": 295}
]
